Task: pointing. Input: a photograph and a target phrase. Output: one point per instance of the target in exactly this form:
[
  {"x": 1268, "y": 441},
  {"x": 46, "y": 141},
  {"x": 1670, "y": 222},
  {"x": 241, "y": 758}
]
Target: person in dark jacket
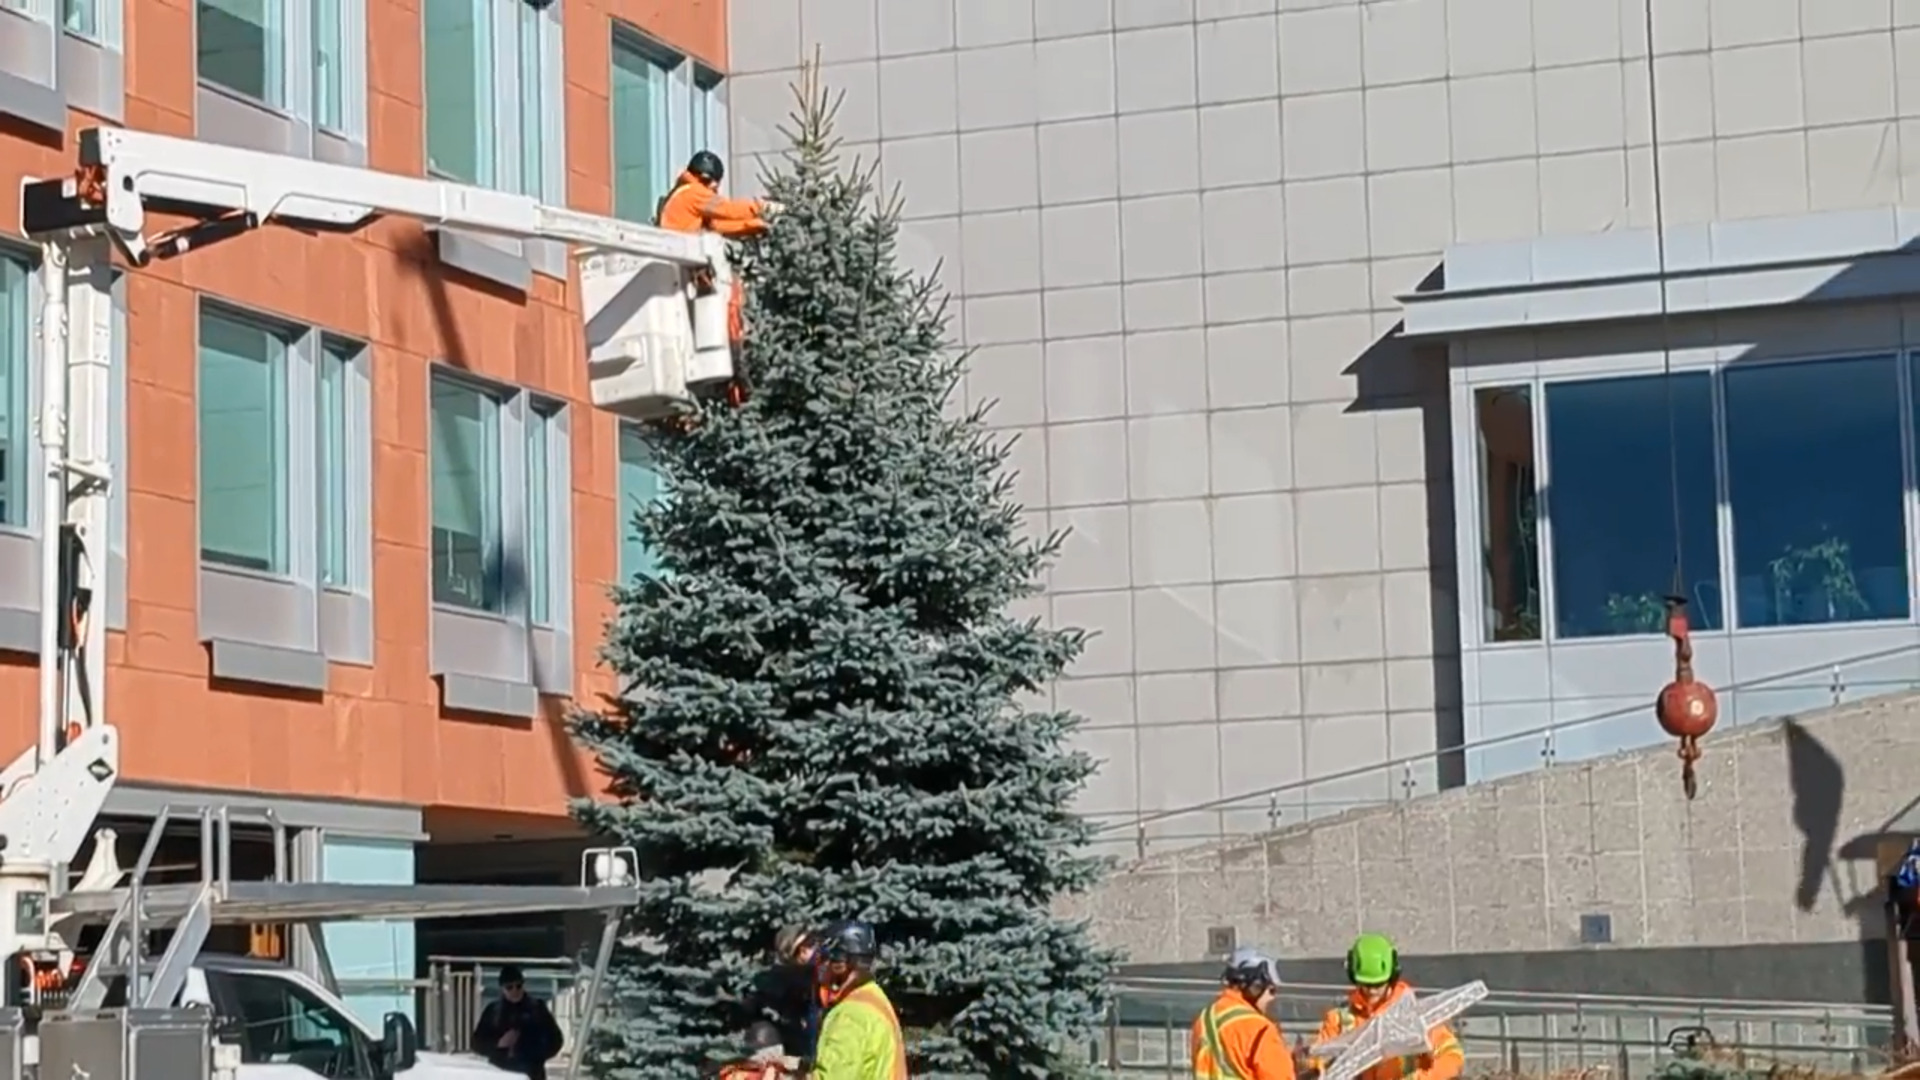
[
  {"x": 517, "y": 1032},
  {"x": 789, "y": 989}
]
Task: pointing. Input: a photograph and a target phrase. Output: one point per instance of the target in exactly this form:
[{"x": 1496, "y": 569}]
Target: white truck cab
[{"x": 289, "y": 1027}]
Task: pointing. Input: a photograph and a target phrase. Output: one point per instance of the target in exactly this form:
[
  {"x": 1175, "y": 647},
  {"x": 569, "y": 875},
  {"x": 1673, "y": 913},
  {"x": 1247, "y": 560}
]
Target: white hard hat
[{"x": 1248, "y": 965}]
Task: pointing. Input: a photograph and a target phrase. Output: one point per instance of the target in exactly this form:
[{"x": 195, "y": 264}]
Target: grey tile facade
[{"x": 1176, "y": 231}]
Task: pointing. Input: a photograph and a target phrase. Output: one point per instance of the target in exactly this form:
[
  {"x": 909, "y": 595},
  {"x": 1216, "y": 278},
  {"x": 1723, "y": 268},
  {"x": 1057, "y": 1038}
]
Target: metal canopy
[{"x": 246, "y": 902}]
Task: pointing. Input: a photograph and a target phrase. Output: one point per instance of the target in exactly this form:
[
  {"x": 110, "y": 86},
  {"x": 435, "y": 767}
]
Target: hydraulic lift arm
[
  {"x": 227, "y": 190},
  {"x": 653, "y": 303}
]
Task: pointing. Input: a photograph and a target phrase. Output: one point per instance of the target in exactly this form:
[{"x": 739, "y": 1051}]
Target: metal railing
[
  {"x": 1406, "y": 778},
  {"x": 1147, "y": 1030},
  {"x": 448, "y": 1001}
]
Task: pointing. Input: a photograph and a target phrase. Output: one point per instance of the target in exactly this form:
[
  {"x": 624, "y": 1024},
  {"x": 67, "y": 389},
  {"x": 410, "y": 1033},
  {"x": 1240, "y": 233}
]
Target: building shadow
[{"x": 1400, "y": 374}]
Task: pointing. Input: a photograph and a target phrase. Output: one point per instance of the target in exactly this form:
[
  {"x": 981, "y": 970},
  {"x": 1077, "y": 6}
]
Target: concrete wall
[
  {"x": 1175, "y": 230},
  {"x": 1779, "y": 847}
]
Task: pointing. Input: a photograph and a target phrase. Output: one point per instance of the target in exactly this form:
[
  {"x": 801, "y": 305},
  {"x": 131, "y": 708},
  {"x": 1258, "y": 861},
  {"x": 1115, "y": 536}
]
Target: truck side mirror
[{"x": 400, "y": 1042}]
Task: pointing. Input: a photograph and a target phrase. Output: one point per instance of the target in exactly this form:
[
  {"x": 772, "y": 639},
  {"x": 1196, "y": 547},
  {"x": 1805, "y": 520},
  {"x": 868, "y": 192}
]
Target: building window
[
  {"x": 64, "y": 54},
  {"x": 494, "y": 94},
  {"x": 465, "y": 465},
  {"x": 16, "y": 323},
  {"x": 1612, "y": 456},
  {"x": 640, "y": 485},
  {"x": 329, "y": 65},
  {"x": 81, "y": 18},
  {"x": 641, "y": 162},
  {"x": 336, "y": 373},
  {"x": 243, "y": 442},
  {"x": 708, "y": 122},
  {"x": 242, "y": 46},
  {"x": 1509, "y": 523},
  {"x": 1815, "y": 480},
  {"x": 459, "y": 94},
  {"x": 286, "y": 537},
  {"x": 542, "y": 476}
]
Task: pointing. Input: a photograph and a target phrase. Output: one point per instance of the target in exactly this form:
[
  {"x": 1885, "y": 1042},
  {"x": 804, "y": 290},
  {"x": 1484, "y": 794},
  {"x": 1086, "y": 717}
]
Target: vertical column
[{"x": 90, "y": 348}]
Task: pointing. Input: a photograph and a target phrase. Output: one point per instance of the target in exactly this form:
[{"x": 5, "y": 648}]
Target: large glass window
[
  {"x": 1613, "y": 446},
  {"x": 336, "y": 362},
  {"x": 241, "y": 46},
  {"x": 640, "y": 484},
  {"x": 16, "y": 322},
  {"x": 464, "y": 459},
  {"x": 1510, "y": 521},
  {"x": 459, "y": 90},
  {"x": 243, "y": 442},
  {"x": 640, "y": 165},
  {"x": 1815, "y": 480},
  {"x": 541, "y": 428}
]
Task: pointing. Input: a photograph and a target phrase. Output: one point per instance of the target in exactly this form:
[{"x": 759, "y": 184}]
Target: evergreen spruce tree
[{"x": 826, "y": 707}]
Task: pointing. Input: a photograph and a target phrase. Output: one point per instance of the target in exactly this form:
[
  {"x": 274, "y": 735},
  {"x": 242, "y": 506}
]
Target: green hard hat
[{"x": 1373, "y": 961}]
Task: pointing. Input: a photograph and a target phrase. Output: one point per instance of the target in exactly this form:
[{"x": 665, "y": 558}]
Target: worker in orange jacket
[
  {"x": 1373, "y": 967},
  {"x": 696, "y": 205},
  {"x": 1234, "y": 1039}
]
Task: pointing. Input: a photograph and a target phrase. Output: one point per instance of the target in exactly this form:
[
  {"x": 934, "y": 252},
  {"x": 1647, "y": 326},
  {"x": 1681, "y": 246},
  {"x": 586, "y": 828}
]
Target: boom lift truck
[{"x": 656, "y": 334}]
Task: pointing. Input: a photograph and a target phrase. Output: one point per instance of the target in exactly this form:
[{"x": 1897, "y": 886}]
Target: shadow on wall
[
  {"x": 1819, "y": 786},
  {"x": 1397, "y": 374}
]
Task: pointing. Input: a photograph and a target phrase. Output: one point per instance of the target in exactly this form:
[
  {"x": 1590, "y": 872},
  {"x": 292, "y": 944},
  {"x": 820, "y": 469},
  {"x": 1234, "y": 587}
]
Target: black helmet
[
  {"x": 706, "y": 165},
  {"x": 851, "y": 940}
]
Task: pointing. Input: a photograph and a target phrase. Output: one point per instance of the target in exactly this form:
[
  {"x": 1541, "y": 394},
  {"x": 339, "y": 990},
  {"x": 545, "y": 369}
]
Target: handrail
[
  {"x": 1141, "y": 821},
  {"x": 1173, "y": 984}
]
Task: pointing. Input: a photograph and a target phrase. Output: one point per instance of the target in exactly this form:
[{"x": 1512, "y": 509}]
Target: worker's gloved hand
[{"x": 768, "y": 208}]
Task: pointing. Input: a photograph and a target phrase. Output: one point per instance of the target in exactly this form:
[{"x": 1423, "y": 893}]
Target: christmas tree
[{"x": 827, "y": 707}]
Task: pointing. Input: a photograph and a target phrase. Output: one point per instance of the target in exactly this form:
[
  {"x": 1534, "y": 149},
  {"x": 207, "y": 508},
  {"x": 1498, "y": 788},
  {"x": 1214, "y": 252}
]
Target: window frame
[
  {"x": 292, "y": 117},
  {"x": 623, "y": 514},
  {"x": 23, "y": 460},
  {"x": 1550, "y": 561},
  {"x": 279, "y": 378},
  {"x": 1715, "y": 361},
  {"x": 494, "y": 538},
  {"x": 692, "y": 96},
  {"x": 284, "y": 628},
  {"x": 62, "y": 66},
  {"x": 506, "y": 128},
  {"x": 503, "y": 261},
  {"x": 501, "y": 662}
]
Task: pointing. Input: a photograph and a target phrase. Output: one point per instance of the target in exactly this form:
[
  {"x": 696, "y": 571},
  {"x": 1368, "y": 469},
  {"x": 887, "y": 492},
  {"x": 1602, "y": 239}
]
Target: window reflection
[
  {"x": 1814, "y": 478},
  {"x": 1611, "y": 497},
  {"x": 1509, "y": 527}
]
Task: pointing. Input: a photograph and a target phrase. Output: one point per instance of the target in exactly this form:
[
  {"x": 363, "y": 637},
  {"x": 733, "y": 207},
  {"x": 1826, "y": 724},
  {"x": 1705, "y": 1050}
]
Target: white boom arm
[
  {"x": 654, "y": 303},
  {"x": 134, "y": 168}
]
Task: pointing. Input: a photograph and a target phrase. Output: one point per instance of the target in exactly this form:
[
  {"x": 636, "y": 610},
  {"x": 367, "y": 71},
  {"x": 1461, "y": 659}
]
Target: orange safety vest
[
  {"x": 686, "y": 209},
  {"x": 870, "y": 996},
  {"x": 1345, "y": 1019},
  {"x": 1210, "y": 1058},
  {"x": 749, "y": 1071}
]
